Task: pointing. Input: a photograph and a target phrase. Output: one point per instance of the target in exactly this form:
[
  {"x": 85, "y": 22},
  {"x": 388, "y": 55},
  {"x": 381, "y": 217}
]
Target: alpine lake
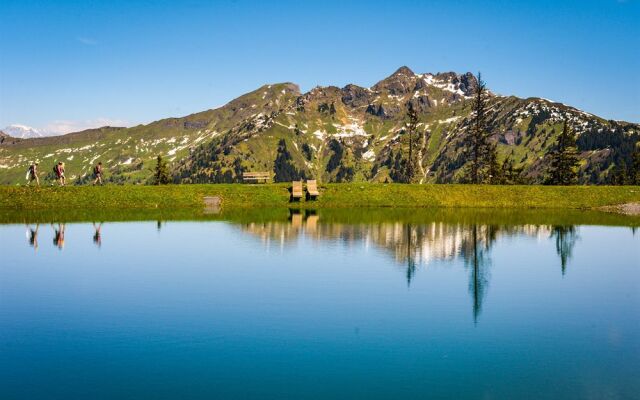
[{"x": 318, "y": 304}]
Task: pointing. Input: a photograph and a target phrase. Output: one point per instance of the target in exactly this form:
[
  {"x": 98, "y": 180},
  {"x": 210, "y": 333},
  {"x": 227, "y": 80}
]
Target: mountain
[
  {"x": 22, "y": 132},
  {"x": 333, "y": 134}
]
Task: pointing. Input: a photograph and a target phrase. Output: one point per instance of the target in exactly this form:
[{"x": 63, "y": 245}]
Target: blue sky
[{"x": 66, "y": 65}]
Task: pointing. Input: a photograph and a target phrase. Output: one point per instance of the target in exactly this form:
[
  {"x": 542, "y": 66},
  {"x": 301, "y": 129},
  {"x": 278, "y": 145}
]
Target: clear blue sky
[{"x": 77, "y": 62}]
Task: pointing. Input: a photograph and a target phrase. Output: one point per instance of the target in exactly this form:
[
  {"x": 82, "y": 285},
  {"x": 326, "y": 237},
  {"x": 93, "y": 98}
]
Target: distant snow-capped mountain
[{"x": 22, "y": 131}]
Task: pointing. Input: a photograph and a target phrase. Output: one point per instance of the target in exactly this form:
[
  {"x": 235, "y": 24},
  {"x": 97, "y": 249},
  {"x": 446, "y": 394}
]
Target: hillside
[
  {"x": 4, "y": 137},
  {"x": 333, "y": 134}
]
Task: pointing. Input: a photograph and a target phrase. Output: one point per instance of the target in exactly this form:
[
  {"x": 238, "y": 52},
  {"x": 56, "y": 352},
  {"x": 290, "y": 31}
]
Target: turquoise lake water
[{"x": 306, "y": 308}]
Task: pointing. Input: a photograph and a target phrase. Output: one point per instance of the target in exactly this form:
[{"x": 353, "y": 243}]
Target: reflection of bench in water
[
  {"x": 307, "y": 219},
  {"x": 296, "y": 220},
  {"x": 256, "y": 177},
  {"x": 312, "y": 223},
  {"x": 296, "y": 190},
  {"x": 312, "y": 189}
]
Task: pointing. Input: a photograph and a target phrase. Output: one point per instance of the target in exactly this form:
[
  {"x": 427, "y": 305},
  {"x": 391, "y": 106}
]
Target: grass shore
[{"x": 351, "y": 195}]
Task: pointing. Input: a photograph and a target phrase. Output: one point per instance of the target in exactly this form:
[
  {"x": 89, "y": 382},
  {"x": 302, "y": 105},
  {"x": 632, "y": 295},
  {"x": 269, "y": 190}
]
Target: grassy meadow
[{"x": 351, "y": 195}]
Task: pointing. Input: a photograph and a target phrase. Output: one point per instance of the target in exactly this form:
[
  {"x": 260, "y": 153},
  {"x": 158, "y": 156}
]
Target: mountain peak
[
  {"x": 404, "y": 70},
  {"x": 22, "y": 131},
  {"x": 398, "y": 83}
]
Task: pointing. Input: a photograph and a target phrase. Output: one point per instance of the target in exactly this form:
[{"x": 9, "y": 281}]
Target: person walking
[
  {"x": 58, "y": 169},
  {"x": 97, "y": 173},
  {"x": 32, "y": 174}
]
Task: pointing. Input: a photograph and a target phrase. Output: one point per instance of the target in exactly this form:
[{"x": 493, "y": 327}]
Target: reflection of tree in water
[
  {"x": 412, "y": 245},
  {"x": 411, "y": 264},
  {"x": 566, "y": 237},
  {"x": 475, "y": 248}
]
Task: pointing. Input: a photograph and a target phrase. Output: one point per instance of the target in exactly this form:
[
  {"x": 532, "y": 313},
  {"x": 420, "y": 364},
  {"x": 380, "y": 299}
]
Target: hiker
[
  {"x": 58, "y": 169},
  {"x": 97, "y": 237},
  {"x": 58, "y": 236},
  {"x": 32, "y": 174},
  {"x": 97, "y": 173},
  {"x": 33, "y": 236}
]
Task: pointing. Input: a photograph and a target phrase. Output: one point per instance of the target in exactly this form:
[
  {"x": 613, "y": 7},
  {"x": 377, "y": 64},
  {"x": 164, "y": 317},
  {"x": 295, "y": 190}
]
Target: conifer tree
[
  {"x": 510, "y": 174},
  {"x": 478, "y": 150},
  {"x": 283, "y": 167},
  {"x": 238, "y": 169},
  {"x": 494, "y": 170},
  {"x": 563, "y": 159},
  {"x": 397, "y": 166},
  {"x": 161, "y": 175},
  {"x": 412, "y": 127},
  {"x": 634, "y": 168},
  {"x": 619, "y": 173}
]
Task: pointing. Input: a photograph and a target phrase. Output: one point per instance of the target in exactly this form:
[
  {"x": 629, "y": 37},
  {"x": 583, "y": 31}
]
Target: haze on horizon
[{"x": 70, "y": 65}]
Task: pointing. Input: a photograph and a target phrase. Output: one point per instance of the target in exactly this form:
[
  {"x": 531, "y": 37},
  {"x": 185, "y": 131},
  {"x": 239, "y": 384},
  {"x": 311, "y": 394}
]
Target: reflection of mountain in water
[{"x": 416, "y": 245}]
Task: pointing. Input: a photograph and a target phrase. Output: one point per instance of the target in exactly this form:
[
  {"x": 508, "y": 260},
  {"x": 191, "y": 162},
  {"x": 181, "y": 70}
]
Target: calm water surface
[{"x": 306, "y": 308}]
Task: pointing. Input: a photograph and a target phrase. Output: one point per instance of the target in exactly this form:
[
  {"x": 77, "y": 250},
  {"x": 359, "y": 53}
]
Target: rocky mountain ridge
[{"x": 335, "y": 134}]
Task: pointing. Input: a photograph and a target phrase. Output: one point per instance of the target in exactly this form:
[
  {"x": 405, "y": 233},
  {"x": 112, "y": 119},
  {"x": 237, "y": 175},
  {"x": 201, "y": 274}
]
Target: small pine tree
[
  {"x": 283, "y": 167},
  {"x": 619, "y": 174},
  {"x": 478, "y": 137},
  {"x": 510, "y": 174},
  {"x": 347, "y": 167},
  {"x": 161, "y": 175},
  {"x": 634, "y": 168},
  {"x": 563, "y": 159},
  {"x": 397, "y": 167},
  {"x": 238, "y": 169},
  {"x": 494, "y": 170}
]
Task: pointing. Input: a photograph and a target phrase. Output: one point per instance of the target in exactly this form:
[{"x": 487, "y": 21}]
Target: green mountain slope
[{"x": 332, "y": 134}]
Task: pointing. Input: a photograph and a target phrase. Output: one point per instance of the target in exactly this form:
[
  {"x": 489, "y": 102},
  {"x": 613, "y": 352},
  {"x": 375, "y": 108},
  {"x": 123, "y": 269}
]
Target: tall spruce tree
[
  {"x": 161, "y": 174},
  {"x": 479, "y": 147},
  {"x": 412, "y": 128},
  {"x": 563, "y": 159}
]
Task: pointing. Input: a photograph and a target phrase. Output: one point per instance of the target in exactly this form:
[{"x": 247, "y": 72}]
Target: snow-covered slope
[{"x": 22, "y": 131}]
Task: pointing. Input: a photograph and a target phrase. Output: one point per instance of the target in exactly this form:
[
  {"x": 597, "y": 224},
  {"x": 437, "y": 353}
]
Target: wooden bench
[
  {"x": 256, "y": 177},
  {"x": 312, "y": 189},
  {"x": 296, "y": 190}
]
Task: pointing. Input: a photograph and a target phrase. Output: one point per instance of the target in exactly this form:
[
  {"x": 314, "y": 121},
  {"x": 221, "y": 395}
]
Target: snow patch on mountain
[
  {"x": 350, "y": 130},
  {"x": 22, "y": 131},
  {"x": 369, "y": 155}
]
